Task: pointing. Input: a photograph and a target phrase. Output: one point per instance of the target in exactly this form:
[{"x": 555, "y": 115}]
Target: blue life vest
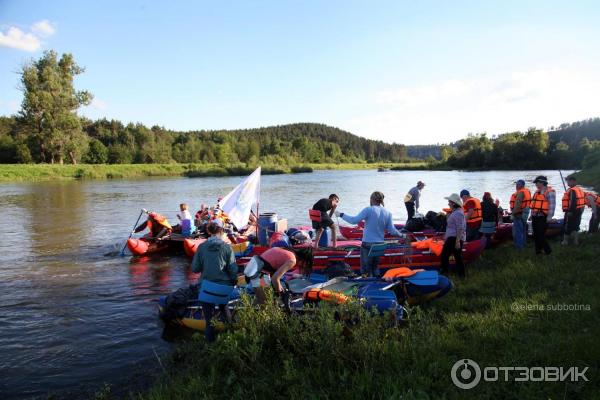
[{"x": 214, "y": 293}]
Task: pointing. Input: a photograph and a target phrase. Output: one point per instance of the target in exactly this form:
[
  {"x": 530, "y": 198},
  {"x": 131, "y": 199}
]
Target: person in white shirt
[{"x": 185, "y": 219}]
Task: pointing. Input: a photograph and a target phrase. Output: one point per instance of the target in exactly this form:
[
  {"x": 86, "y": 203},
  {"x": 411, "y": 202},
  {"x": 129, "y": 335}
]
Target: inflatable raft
[
  {"x": 146, "y": 245},
  {"x": 421, "y": 254},
  {"x": 401, "y": 286}
]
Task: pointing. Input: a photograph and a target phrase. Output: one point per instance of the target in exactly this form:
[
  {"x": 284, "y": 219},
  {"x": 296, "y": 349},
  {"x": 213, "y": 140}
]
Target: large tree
[{"x": 49, "y": 108}]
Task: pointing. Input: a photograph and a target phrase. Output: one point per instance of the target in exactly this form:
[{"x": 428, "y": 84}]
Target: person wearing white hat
[{"x": 455, "y": 235}]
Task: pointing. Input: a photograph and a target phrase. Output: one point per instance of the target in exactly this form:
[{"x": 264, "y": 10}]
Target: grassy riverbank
[
  {"x": 485, "y": 318},
  {"x": 48, "y": 172},
  {"x": 590, "y": 177}
]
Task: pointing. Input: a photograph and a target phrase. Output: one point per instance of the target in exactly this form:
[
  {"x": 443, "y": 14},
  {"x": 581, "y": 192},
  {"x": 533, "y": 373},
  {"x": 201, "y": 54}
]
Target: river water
[{"x": 74, "y": 314}]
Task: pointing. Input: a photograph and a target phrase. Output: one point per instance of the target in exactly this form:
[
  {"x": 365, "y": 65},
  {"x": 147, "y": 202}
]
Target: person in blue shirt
[{"x": 377, "y": 221}]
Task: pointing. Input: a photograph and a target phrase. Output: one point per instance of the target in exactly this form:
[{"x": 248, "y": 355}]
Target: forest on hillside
[
  {"x": 565, "y": 147},
  {"x": 112, "y": 142}
]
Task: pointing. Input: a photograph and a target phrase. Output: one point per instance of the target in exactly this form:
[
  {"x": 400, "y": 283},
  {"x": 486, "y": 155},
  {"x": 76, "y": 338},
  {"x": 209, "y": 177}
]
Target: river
[{"x": 74, "y": 314}]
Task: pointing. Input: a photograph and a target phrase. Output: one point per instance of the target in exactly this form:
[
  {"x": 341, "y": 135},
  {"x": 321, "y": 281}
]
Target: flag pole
[
  {"x": 258, "y": 203},
  {"x": 257, "y": 214}
]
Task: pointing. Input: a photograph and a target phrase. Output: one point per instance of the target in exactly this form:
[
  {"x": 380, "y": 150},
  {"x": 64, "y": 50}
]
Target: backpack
[
  {"x": 338, "y": 268},
  {"x": 177, "y": 302},
  {"x": 415, "y": 225}
]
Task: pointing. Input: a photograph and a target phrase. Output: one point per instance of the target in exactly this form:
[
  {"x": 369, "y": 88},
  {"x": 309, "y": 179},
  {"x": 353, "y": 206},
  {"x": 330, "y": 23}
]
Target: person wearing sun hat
[
  {"x": 542, "y": 207},
  {"x": 455, "y": 236}
]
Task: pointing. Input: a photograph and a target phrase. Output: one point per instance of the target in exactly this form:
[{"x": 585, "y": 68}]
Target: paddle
[{"x": 132, "y": 229}]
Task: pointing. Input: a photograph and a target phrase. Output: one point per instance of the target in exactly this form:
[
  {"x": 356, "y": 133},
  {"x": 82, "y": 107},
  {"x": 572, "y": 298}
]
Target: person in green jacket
[{"x": 215, "y": 261}]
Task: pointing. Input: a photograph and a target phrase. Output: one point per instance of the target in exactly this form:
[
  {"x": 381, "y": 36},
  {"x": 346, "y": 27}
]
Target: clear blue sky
[{"x": 403, "y": 71}]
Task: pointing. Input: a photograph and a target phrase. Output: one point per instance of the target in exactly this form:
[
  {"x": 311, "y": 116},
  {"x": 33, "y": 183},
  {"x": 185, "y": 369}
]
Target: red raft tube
[
  {"x": 422, "y": 254},
  {"x": 147, "y": 245}
]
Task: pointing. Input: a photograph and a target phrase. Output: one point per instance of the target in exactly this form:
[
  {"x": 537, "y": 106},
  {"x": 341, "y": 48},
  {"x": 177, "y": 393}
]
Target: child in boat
[{"x": 185, "y": 219}]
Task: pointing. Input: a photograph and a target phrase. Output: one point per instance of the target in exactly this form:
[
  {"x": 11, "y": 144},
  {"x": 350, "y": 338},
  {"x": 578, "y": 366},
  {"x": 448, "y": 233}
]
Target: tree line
[{"x": 564, "y": 147}]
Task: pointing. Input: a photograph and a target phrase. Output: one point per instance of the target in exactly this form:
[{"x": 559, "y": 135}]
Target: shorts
[
  {"x": 256, "y": 268},
  {"x": 326, "y": 222}
]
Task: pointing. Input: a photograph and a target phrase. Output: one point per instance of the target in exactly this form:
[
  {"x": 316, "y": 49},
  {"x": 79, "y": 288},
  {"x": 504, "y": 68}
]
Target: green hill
[{"x": 115, "y": 143}]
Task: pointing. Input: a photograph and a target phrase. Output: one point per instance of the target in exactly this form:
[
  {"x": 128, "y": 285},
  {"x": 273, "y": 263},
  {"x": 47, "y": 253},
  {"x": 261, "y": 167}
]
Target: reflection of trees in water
[{"x": 57, "y": 216}]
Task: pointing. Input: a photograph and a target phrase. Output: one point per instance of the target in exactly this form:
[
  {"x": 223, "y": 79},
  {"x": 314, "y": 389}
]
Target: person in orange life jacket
[
  {"x": 592, "y": 200},
  {"x": 455, "y": 236},
  {"x": 472, "y": 210},
  {"x": 519, "y": 208},
  {"x": 542, "y": 207},
  {"x": 157, "y": 224},
  {"x": 215, "y": 261},
  {"x": 276, "y": 262},
  {"x": 327, "y": 208},
  {"x": 489, "y": 215},
  {"x": 573, "y": 204}
]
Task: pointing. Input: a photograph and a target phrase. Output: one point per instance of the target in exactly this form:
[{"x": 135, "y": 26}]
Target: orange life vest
[
  {"x": 526, "y": 198},
  {"x": 579, "y": 198},
  {"x": 325, "y": 295},
  {"x": 476, "y": 216},
  {"x": 539, "y": 201},
  {"x": 160, "y": 219},
  {"x": 596, "y": 199}
]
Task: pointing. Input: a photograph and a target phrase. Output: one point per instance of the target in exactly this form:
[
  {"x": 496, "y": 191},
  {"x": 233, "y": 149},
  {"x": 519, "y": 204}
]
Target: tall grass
[{"x": 274, "y": 356}]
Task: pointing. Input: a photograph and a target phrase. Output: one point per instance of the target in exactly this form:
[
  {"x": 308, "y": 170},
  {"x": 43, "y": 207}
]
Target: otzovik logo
[{"x": 466, "y": 373}]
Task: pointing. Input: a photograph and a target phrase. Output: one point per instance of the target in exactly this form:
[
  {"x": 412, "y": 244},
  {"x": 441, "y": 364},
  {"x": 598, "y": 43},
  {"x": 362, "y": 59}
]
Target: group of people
[
  {"x": 467, "y": 219},
  {"x": 159, "y": 227},
  {"x": 539, "y": 208},
  {"x": 215, "y": 261},
  {"x": 482, "y": 217}
]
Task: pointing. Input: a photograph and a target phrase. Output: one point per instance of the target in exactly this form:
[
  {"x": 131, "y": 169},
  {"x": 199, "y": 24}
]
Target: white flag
[{"x": 238, "y": 203}]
